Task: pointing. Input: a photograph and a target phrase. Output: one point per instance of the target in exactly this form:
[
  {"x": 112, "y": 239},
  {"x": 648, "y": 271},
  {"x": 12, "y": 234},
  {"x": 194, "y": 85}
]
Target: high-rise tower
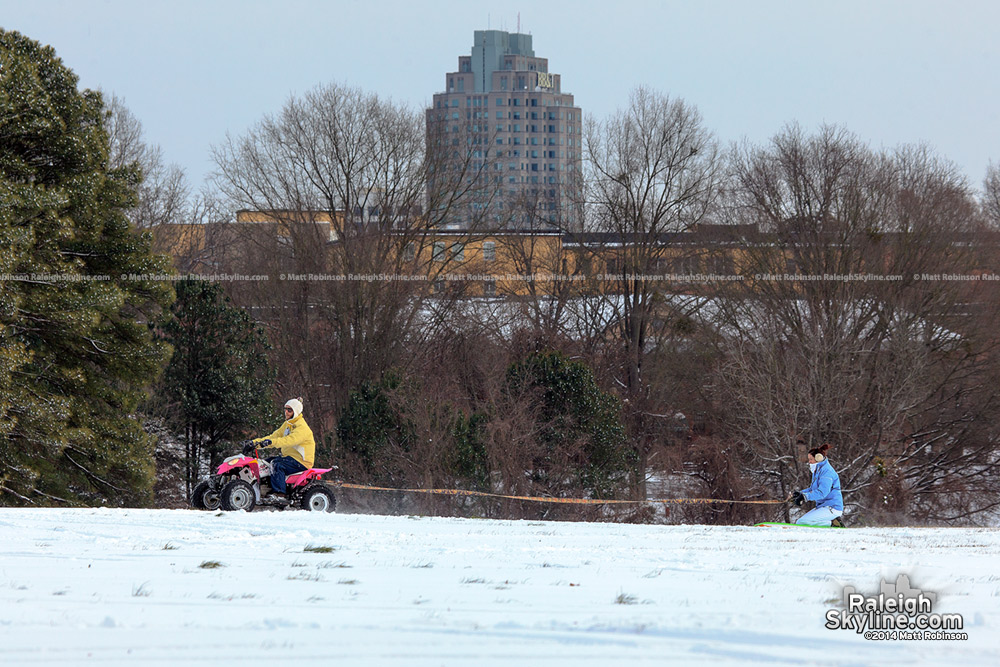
[{"x": 509, "y": 128}]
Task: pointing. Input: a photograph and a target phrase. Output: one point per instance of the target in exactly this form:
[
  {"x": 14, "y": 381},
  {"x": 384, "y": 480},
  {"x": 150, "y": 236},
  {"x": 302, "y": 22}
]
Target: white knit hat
[{"x": 296, "y": 405}]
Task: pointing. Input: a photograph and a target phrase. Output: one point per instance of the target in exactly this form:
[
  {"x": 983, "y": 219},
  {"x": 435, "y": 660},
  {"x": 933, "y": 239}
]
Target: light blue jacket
[{"x": 825, "y": 487}]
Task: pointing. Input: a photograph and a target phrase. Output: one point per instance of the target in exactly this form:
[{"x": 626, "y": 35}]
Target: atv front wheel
[
  {"x": 205, "y": 496},
  {"x": 237, "y": 495},
  {"x": 318, "y": 498}
]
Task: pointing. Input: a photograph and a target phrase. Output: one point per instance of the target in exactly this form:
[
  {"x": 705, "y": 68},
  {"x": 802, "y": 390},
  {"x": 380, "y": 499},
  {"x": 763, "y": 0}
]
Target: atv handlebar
[{"x": 249, "y": 446}]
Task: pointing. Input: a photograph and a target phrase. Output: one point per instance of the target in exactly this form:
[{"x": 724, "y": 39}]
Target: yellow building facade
[{"x": 493, "y": 263}]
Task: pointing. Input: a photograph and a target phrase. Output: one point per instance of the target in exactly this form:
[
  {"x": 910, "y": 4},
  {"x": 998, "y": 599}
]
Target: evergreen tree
[
  {"x": 77, "y": 350},
  {"x": 470, "y": 459},
  {"x": 219, "y": 380},
  {"x": 580, "y": 426},
  {"x": 370, "y": 430},
  {"x": 390, "y": 431}
]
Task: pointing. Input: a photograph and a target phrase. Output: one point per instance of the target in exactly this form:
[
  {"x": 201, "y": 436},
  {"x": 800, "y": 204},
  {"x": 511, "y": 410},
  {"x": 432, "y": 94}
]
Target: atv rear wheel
[
  {"x": 318, "y": 498},
  {"x": 205, "y": 496},
  {"x": 237, "y": 495}
]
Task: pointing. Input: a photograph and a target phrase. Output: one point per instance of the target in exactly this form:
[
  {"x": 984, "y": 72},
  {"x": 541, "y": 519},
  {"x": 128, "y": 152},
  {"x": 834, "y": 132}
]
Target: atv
[{"x": 242, "y": 482}]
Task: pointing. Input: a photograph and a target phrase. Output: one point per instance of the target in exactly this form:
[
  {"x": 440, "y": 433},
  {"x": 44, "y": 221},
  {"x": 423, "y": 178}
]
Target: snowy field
[{"x": 80, "y": 587}]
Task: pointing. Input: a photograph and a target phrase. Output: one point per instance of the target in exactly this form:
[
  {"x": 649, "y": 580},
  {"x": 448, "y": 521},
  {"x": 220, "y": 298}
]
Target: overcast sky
[{"x": 892, "y": 71}]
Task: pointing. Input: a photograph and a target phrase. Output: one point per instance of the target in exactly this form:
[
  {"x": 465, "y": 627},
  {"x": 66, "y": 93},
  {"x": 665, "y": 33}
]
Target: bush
[
  {"x": 582, "y": 442},
  {"x": 370, "y": 431}
]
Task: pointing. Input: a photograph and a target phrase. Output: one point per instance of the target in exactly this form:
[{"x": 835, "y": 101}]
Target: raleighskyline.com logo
[{"x": 897, "y": 612}]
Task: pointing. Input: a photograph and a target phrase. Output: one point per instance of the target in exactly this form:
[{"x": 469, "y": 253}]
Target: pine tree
[
  {"x": 580, "y": 425},
  {"x": 219, "y": 380},
  {"x": 77, "y": 348},
  {"x": 370, "y": 428}
]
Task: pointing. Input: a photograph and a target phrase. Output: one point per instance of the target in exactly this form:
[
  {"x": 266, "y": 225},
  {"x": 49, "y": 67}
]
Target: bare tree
[
  {"x": 991, "y": 194},
  {"x": 341, "y": 178},
  {"x": 652, "y": 173},
  {"x": 163, "y": 192},
  {"x": 546, "y": 282},
  {"x": 848, "y": 334}
]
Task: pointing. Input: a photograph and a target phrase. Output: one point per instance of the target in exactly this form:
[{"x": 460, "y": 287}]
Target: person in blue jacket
[{"x": 824, "y": 491}]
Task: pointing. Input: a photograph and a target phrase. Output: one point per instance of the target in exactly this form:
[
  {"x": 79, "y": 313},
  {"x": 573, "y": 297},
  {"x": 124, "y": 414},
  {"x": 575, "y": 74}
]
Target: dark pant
[{"x": 282, "y": 466}]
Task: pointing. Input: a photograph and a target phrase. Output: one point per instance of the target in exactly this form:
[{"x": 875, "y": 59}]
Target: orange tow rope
[{"x": 572, "y": 501}]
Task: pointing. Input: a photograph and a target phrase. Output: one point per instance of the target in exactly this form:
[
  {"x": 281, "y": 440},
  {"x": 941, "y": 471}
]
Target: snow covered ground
[{"x": 198, "y": 588}]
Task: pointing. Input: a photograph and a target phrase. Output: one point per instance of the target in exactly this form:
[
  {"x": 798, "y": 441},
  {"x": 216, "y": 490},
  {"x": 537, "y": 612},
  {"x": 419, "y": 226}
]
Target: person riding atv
[{"x": 295, "y": 441}]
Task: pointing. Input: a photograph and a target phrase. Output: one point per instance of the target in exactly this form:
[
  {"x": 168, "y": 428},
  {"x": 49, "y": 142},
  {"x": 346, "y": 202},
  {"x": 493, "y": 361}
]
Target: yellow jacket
[{"x": 295, "y": 439}]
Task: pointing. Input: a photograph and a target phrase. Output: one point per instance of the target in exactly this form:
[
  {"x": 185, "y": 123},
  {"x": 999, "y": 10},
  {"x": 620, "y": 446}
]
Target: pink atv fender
[
  {"x": 303, "y": 478},
  {"x": 239, "y": 462}
]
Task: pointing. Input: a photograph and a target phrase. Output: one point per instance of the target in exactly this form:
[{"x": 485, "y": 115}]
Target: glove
[
  {"x": 248, "y": 447},
  {"x": 798, "y": 498},
  {"x": 264, "y": 443}
]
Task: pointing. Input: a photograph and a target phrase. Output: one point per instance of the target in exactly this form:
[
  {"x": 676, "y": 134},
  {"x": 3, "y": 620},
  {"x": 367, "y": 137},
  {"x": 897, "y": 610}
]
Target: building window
[
  {"x": 409, "y": 252},
  {"x": 437, "y": 253},
  {"x": 458, "y": 252},
  {"x": 490, "y": 288},
  {"x": 489, "y": 251}
]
